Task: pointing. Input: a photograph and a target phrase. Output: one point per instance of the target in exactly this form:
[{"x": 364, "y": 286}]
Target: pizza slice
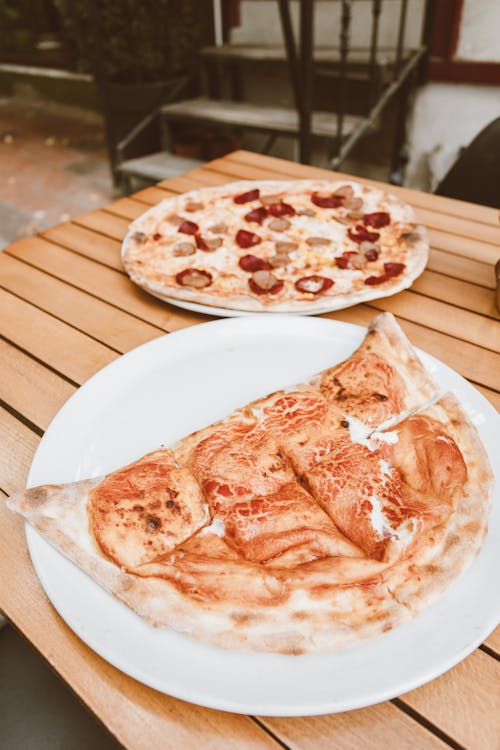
[
  {"x": 252, "y": 490},
  {"x": 381, "y": 380},
  {"x": 385, "y": 493}
]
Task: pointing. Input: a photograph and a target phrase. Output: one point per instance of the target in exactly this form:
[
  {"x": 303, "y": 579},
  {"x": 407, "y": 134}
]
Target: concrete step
[
  {"x": 358, "y": 61},
  {"x": 159, "y": 166},
  {"x": 255, "y": 117}
]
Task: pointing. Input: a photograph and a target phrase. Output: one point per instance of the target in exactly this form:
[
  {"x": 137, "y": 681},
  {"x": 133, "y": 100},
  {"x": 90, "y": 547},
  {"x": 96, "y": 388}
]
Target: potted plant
[{"x": 141, "y": 53}]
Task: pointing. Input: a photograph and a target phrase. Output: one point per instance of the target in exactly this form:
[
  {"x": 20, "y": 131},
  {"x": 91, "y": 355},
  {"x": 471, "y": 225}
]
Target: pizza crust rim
[{"x": 418, "y": 255}]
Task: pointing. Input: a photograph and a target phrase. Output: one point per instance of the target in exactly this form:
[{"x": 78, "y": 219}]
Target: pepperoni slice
[
  {"x": 194, "y": 277},
  {"x": 377, "y": 220},
  {"x": 313, "y": 284},
  {"x": 344, "y": 260},
  {"x": 202, "y": 245},
  {"x": 327, "y": 201},
  {"x": 253, "y": 263},
  {"x": 281, "y": 209},
  {"x": 247, "y": 239},
  {"x": 390, "y": 269},
  {"x": 265, "y": 282},
  {"x": 250, "y": 195},
  {"x": 394, "y": 269},
  {"x": 374, "y": 280},
  {"x": 256, "y": 214},
  {"x": 188, "y": 227},
  {"x": 362, "y": 234}
]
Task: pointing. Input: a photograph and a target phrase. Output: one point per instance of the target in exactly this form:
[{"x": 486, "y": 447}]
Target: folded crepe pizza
[{"x": 311, "y": 519}]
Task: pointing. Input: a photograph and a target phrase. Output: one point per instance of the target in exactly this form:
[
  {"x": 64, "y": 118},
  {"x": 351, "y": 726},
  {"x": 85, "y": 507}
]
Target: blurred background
[{"x": 101, "y": 97}]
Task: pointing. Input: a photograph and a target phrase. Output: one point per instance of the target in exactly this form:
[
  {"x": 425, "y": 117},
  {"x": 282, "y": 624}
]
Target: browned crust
[
  {"x": 451, "y": 548},
  {"x": 386, "y": 339}
]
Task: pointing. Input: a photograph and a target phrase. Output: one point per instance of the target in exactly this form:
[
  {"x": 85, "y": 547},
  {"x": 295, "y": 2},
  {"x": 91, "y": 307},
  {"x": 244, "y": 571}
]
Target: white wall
[
  {"x": 480, "y": 31},
  {"x": 260, "y": 23},
  {"x": 446, "y": 117}
]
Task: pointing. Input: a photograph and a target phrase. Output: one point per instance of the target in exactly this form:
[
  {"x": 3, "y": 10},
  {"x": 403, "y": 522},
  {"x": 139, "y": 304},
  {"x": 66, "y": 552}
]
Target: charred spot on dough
[
  {"x": 411, "y": 237},
  {"x": 380, "y": 396},
  {"x": 301, "y": 615},
  {"x": 292, "y": 651},
  {"x": 387, "y": 627},
  {"x": 126, "y": 582},
  {"x": 138, "y": 236},
  {"x": 242, "y": 618},
  {"x": 451, "y": 541},
  {"x": 38, "y": 495},
  {"x": 472, "y": 527},
  {"x": 153, "y": 523}
]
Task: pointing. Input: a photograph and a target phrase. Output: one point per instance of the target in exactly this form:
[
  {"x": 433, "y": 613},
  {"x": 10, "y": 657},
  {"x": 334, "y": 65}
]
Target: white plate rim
[{"x": 36, "y": 543}]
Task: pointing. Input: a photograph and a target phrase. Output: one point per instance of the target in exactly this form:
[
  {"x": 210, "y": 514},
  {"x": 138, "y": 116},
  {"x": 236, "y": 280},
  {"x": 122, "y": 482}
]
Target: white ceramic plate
[{"x": 173, "y": 385}]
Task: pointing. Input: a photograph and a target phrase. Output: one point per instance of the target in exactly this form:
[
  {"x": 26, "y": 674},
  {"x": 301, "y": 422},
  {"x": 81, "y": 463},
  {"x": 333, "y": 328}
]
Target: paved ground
[{"x": 53, "y": 166}]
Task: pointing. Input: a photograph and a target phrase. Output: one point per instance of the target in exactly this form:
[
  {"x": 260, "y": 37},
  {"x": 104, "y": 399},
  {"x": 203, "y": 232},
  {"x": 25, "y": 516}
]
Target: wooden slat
[
  {"x": 456, "y": 292},
  {"x": 457, "y": 225},
  {"x": 105, "y": 283},
  {"x": 374, "y": 728},
  {"x": 92, "y": 316},
  {"x": 466, "y": 269},
  {"x": 18, "y": 446},
  {"x": 493, "y": 641},
  {"x": 153, "y": 195},
  {"x": 127, "y": 208},
  {"x": 432, "y": 313},
  {"x": 202, "y": 177},
  {"x": 104, "y": 223},
  {"x": 464, "y": 702},
  {"x": 87, "y": 243},
  {"x": 474, "y": 363},
  {"x": 451, "y": 206},
  {"x": 29, "y": 388},
  {"x": 50, "y": 340}
]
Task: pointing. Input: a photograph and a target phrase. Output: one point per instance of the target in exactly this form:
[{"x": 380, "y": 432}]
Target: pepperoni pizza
[
  {"x": 311, "y": 519},
  {"x": 303, "y": 246}
]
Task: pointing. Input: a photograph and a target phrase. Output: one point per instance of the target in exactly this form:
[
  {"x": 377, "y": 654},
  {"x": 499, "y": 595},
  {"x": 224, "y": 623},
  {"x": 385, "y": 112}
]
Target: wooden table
[{"x": 67, "y": 309}]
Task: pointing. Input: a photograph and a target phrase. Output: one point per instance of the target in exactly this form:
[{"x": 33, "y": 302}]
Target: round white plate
[{"x": 178, "y": 383}]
